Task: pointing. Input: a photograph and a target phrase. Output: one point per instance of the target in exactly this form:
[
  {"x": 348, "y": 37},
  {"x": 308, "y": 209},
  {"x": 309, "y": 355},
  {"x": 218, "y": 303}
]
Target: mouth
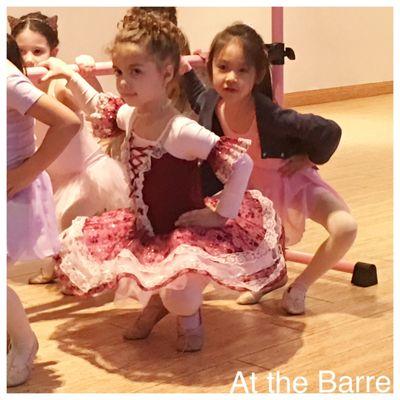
[
  {"x": 128, "y": 95},
  {"x": 230, "y": 90}
]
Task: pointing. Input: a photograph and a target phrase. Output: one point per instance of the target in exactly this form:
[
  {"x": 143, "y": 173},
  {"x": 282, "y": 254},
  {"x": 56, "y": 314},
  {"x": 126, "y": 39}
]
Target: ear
[
  {"x": 168, "y": 73},
  {"x": 54, "y": 52},
  {"x": 52, "y": 22},
  {"x": 13, "y": 22}
]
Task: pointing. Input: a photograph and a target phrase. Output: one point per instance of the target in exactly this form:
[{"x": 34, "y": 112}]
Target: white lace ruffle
[{"x": 225, "y": 268}]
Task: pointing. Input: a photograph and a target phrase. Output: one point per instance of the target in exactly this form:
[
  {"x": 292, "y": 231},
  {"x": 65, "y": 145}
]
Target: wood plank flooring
[{"x": 347, "y": 329}]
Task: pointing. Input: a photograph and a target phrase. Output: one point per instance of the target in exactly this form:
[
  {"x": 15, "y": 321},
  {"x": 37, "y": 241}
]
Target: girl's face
[
  {"x": 140, "y": 81},
  {"x": 34, "y": 47},
  {"x": 233, "y": 77}
]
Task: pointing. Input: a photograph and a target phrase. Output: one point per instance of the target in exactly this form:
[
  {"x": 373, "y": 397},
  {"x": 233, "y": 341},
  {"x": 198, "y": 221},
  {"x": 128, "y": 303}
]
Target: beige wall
[{"x": 317, "y": 35}]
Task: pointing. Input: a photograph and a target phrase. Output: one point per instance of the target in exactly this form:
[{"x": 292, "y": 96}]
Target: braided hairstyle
[
  {"x": 36, "y": 22},
  {"x": 161, "y": 38},
  {"x": 254, "y": 53}
]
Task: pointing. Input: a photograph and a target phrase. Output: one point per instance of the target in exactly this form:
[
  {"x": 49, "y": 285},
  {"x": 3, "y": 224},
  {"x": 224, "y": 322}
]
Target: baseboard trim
[{"x": 337, "y": 94}]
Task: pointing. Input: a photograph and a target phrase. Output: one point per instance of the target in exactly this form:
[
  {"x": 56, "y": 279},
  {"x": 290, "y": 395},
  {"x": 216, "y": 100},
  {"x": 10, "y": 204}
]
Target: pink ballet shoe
[
  {"x": 189, "y": 339},
  {"x": 42, "y": 277},
  {"x": 248, "y": 297},
  {"x": 19, "y": 371},
  {"x": 293, "y": 299},
  {"x": 148, "y": 318}
]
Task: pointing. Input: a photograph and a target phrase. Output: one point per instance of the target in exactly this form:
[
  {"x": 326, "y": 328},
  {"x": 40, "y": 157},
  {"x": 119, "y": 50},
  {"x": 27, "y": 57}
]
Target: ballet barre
[
  {"x": 103, "y": 68},
  {"x": 363, "y": 274}
]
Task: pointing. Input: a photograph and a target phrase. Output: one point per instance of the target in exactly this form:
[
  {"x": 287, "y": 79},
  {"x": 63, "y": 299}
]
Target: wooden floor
[{"x": 347, "y": 329}]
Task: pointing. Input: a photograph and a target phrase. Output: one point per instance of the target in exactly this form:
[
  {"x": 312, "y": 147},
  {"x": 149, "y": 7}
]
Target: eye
[
  {"x": 117, "y": 72},
  {"x": 37, "y": 52},
  {"x": 136, "y": 71},
  {"x": 221, "y": 67},
  {"x": 243, "y": 70}
]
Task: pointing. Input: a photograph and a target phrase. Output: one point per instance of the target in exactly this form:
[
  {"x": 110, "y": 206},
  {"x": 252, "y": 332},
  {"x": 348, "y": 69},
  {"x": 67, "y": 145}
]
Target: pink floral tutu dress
[{"x": 139, "y": 250}]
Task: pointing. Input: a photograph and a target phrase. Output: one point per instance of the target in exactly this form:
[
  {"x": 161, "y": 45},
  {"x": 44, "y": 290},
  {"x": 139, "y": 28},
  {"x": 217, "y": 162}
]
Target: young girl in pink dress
[
  {"x": 85, "y": 180},
  {"x": 285, "y": 147},
  {"x": 165, "y": 248},
  {"x": 31, "y": 223}
]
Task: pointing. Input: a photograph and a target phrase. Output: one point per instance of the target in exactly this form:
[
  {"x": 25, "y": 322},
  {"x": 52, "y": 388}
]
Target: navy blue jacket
[{"x": 283, "y": 132}]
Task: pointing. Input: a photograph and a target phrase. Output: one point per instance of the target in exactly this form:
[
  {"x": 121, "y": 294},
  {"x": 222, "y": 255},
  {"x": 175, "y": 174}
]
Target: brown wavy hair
[{"x": 162, "y": 39}]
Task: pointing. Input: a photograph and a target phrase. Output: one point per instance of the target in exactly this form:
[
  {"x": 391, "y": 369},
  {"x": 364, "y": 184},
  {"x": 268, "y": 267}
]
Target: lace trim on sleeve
[
  {"x": 104, "y": 119},
  {"x": 224, "y": 155}
]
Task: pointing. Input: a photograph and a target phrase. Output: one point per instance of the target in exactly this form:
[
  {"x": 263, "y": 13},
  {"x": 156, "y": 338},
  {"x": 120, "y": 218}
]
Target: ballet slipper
[
  {"x": 18, "y": 369},
  {"x": 42, "y": 277},
  {"x": 293, "y": 299},
  {"x": 249, "y": 297},
  {"x": 148, "y": 318},
  {"x": 189, "y": 339}
]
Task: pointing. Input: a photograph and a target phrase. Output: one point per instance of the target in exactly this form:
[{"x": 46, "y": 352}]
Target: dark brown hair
[
  {"x": 36, "y": 22},
  {"x": 13, "y": 53},
  {"x": 254, "y": 52}
]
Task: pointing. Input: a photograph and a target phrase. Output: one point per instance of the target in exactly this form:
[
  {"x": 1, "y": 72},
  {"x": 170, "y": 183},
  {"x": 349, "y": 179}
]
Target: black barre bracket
[{"x": 277, "y": 53}]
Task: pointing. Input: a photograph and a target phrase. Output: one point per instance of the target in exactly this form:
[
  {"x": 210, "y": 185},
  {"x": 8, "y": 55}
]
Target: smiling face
[
  {"x": 34, "y": 47},
  {"x": 140, "y": 80},
  {"x": 233, "y": 77}
]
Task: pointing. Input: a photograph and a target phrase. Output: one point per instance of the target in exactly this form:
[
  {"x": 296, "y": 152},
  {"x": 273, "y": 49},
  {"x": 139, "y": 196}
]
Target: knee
[
  {"x": 181, "y": 302},
  {"x": 344, "y": 228}
]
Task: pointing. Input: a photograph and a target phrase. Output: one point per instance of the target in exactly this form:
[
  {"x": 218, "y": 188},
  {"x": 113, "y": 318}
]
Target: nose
[
  {"x": 29, "y": 60},
  {"x": 231, "y": 76}
]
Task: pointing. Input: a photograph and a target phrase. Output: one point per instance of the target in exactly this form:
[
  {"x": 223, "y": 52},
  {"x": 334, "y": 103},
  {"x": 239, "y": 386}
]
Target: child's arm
[
  {"x": 65, "y": 95},
  {"x": 193, "y": 86},
  {"x": 63, "y": 125},
  {"x": 101, "y": 108},
  {"x": 318, "y": 136},
  {"x": 86, "y": 65},
  {"x": 227, "y": 158}
]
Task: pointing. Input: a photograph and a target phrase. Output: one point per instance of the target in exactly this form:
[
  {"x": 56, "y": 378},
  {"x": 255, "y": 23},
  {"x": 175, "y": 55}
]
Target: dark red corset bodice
[{"x": 171, "y": 187}]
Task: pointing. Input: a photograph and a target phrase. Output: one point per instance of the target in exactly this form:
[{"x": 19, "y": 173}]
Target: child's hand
[
  {"x": 204, "y": 217},
  {"x": 57, "y": 69},
  {"x": 18, "y": 179},
  {"x": 184, "y": 66},
  {"x": 295, "y": 164},
  {"x": 86, "y": 64},
  {"x": 202, "y": 54}
]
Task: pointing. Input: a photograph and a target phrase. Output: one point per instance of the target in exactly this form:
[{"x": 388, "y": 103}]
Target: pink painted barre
[
  {"x": 305, "y": 258},
  {"x": 277, "y": 70},
  {"x": 105, "y": 67}
]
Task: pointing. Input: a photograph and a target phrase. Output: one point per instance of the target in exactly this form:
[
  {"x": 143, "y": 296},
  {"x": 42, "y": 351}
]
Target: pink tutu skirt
[
  {"x": 245, "y": 254},
  {"x": 32, "y": 231},
  {"x": 293, "y": 197}
]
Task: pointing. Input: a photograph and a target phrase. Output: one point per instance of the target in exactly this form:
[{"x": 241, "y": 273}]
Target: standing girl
[
  {"x": 285, "y": 147},
  {"x": 85, "y": 180},
  {"x": 31, "y": 224},
  {"x": 167, "y": 246}
]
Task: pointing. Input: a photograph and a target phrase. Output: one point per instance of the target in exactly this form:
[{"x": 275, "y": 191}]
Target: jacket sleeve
[
  {"x": 194, "y": 89},
  {"x": 319, "y": 137}
]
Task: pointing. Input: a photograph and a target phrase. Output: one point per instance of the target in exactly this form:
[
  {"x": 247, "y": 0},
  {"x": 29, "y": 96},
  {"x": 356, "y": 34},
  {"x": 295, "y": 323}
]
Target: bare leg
[
  {"x": 23, "y": 341},
  {"x": 335, "y": 217}
]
